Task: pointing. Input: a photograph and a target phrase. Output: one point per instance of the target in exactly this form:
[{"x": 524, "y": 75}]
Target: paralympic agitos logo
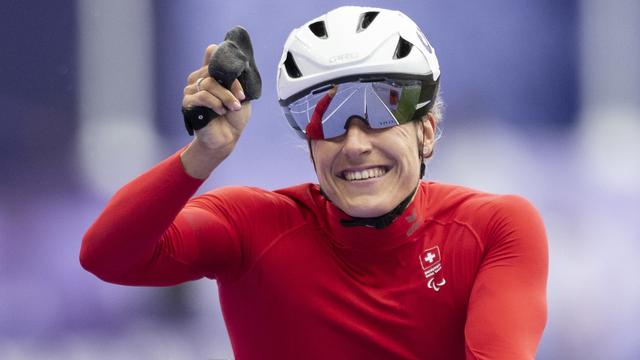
[{"x": 431, "y": 263}]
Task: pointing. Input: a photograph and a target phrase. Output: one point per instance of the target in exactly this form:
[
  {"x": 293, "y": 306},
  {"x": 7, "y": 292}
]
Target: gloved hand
[{"x": 232, "y": 60}]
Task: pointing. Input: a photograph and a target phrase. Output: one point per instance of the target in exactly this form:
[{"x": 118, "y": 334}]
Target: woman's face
[{"x": 368, "y": 172}]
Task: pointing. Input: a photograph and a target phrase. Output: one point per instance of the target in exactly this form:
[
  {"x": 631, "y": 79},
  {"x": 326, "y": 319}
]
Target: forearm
[{"x": 128, "y": 231}]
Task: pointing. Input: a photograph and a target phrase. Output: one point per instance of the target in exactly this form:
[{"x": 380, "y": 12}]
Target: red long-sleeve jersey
[{"x": 460, "y": 274}]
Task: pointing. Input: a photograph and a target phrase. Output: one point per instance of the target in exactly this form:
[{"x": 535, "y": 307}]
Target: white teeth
[{"x": 364, "y": 174}]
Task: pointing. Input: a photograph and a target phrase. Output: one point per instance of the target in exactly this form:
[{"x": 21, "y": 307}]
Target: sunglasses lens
[{"x": 324, "y": 113}]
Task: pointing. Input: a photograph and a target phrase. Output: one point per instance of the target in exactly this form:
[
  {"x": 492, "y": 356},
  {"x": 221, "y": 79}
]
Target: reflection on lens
[{"x": 381, "y": 103}]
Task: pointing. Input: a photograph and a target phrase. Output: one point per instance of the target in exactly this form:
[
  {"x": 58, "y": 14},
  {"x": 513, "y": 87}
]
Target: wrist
[{"x": 199, "y": 160}]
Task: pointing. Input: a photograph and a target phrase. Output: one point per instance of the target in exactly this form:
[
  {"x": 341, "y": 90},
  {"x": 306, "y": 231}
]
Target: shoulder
[
  {"x": 489, "y": 215},
  {"x": 460, "y": 202},
  {"x": 253, "y": 202},
  {"x": 253, "y": 216},
  {"x": 304, "y": 194}
]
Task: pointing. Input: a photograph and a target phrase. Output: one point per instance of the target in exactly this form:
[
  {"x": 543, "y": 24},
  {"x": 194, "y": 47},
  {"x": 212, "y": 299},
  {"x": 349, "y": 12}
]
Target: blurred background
[{"x": 543, "y": 100}]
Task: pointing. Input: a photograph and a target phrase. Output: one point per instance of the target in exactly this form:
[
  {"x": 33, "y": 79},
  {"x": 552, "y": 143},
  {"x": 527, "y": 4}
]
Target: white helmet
[{"x": 350, "y": 41}]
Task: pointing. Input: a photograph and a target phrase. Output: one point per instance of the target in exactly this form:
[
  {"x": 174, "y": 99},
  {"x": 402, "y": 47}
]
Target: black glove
[{"x": 232, "y": 60}]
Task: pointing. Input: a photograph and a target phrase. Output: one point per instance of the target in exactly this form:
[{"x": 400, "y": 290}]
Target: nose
[{"x": 356, "y": 141}]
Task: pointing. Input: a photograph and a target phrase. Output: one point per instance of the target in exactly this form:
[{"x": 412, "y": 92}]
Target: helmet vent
[
  {"x": 403, "y": 49},
  {"x": 366, "y": 19},
  {"x": 318, "y": 29},
  {"x": 291, "y": 66}
]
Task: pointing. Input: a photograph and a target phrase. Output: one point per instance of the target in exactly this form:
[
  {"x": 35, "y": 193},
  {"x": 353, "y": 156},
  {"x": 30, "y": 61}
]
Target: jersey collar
[{"x": 399, "y": 232}]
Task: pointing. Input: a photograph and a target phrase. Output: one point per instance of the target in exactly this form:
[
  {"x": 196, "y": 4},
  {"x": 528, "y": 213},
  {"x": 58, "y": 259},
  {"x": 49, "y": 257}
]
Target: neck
[{"x": 378, "y": 222}]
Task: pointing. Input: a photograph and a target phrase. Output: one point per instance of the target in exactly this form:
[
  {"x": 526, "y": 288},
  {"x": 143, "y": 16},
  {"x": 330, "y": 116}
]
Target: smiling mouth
[{"x": 365, "y": 174}]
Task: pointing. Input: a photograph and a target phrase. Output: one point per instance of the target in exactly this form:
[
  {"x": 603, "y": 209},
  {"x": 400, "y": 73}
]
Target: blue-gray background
[{"x": 543, "y": 100}]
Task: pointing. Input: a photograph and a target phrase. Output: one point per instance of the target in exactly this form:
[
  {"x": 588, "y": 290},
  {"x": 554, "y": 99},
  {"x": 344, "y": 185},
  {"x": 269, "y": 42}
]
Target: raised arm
[
  {"x": 145, "y": 235},
  {"x": 507, "y": 310}
]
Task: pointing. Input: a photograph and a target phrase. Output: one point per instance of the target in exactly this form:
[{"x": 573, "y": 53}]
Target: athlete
[{"x": 372, "y": 262}]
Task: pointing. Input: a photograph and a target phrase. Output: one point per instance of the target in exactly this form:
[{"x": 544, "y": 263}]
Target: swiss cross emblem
[
  {"x": 431, "y": 263},
  {"x": 430, "y": 257}
]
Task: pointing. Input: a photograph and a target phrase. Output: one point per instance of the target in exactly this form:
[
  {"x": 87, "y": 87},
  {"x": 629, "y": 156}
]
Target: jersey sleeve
[
  {"x": 507, "y": 308},
  {"x": 149, "y": 235}
]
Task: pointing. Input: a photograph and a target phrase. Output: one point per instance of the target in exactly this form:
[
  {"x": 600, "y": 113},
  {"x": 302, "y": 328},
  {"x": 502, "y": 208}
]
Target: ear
[{"x": 428, "y": 136}]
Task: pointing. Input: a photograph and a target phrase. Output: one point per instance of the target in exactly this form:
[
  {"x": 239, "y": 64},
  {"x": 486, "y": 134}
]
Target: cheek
[
  {"x": 322, "y": 157},
  {"x": 406, "y": 146},
  {"x": 409, "y": 172}
]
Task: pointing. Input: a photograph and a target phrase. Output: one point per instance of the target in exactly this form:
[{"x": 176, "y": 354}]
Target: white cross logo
[{"x": 429, "y": 257}]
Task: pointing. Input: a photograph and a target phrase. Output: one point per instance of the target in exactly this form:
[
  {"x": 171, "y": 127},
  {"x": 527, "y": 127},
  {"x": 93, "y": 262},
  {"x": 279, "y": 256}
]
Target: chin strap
[{"x": 381, "y": 221}]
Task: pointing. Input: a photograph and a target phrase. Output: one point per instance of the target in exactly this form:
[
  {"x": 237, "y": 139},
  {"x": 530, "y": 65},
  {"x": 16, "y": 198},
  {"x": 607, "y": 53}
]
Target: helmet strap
[
  {"x": 423, "y": 166},
  {"x": 313, "y": 160},
  {"x": 381, "y": 221}
]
